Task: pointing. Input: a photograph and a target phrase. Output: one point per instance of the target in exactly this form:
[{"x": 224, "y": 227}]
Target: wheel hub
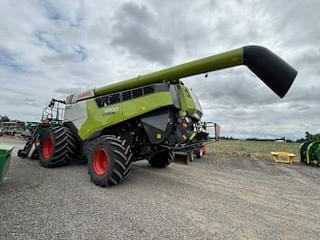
[
  {"x": 47, "y": 148},
  {"x": 100, "y": 162}
]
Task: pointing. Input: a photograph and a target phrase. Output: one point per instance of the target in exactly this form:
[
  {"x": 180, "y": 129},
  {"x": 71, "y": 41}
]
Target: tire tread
[
  {"x": 65, "y": 147},
  {"x": 121, "y": 162}
]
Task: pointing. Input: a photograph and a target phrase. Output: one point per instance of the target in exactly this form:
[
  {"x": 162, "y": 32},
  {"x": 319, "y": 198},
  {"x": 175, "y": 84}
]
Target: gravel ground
[{"x": 211, "y": 198}]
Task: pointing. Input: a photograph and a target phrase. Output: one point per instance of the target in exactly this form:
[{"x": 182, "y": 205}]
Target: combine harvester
[{"x": 153, "y": 117}]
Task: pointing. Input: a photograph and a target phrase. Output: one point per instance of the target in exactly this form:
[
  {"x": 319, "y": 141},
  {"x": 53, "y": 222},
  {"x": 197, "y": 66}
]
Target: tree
[{"x": 4, "y": 118}]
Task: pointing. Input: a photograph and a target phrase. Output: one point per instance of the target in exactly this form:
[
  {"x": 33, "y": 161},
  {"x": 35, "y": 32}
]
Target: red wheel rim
[
  {"x": 100, "y": 161},
  {"x": 47, "y": 148}
]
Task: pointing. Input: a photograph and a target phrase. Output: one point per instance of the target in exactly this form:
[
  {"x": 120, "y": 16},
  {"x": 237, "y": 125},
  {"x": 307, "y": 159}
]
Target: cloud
[
  {"x": 8, "y": 61},
  {"x": 133, "y": 33},
  {"x": 54, "y": 48},
  {"x": 67, "y": 91}
]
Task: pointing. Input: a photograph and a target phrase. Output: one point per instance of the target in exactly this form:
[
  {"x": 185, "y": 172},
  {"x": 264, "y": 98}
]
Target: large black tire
[
  {"x": 58, "y": 147},
  {"x": 109, "y": 160},
  {"x": 162, "y": 159}
]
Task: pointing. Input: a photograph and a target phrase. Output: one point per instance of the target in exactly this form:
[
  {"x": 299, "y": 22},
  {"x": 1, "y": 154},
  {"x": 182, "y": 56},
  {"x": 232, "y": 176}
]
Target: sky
[{"x": 55, "y": 48}]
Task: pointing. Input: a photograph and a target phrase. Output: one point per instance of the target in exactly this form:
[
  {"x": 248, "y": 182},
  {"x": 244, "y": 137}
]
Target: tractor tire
[
  {"x": 162, "y": 159},
  {"x": 58, "y": 147},
  {"x": 109, "y": 160}
]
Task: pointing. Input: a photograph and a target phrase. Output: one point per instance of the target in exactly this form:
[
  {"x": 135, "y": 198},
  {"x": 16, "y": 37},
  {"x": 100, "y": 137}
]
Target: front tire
[
  {"x": 109, "y": 160},
  {"x": 57, "y": 147}
]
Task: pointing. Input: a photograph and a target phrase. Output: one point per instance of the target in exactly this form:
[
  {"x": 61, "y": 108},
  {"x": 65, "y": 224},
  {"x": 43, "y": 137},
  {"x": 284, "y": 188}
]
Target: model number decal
[{"x": 110, "y": 110}]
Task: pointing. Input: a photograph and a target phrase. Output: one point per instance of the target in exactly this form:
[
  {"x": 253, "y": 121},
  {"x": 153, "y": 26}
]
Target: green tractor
[
  {"x": 310, "y": 150},
  {"x": 153, "y": 116}
]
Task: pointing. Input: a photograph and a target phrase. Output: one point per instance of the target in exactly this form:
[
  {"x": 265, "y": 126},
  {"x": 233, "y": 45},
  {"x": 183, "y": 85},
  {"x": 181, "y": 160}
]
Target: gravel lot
[{"x": 211, "y": 198}]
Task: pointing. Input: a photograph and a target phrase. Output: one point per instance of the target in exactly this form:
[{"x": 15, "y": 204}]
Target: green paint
[
  {"x": 141, "y": 105},
  {"x": 100, "y": 118},
  {"x": 5, "y": 153},
  {"x": 313, "y": 153},
  {"x": 203, "y": 65},
  {"x": 186, "y": 100}
]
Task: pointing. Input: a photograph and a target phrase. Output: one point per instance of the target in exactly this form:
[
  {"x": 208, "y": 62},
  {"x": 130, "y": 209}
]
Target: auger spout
[{"x": 271, "y": 69}]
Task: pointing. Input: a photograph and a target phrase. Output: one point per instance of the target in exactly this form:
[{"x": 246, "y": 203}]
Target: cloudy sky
[{"x": 54, "y": 48}]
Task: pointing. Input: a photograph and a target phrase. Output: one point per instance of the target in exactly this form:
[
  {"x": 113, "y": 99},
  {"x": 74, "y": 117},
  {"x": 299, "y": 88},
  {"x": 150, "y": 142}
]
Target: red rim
[
  {"x": 100, "y": 161},
  {"x": 47, "y": 148}
]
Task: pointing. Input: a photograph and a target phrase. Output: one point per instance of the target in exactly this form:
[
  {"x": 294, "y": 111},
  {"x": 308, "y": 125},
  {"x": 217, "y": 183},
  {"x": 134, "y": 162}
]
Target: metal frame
[{"x": 54, "y": 112}]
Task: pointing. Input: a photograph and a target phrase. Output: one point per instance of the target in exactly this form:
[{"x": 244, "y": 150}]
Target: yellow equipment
[{"x": 283, "y": 157}]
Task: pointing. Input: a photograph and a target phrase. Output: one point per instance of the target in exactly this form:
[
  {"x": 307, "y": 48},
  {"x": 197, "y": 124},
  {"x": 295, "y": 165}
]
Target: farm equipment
[
  {"x": 310, "y": 150},
  {"x": 283, "y": 157},
  {"x": 52, "y": 115},
  {"x": 11, "y": 128},
  {"x": 153, "y": 116},
  {"x": 5, "y": 153}
]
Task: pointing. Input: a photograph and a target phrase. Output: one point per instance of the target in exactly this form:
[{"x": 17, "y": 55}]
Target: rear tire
[
  {"x": 109, "y": 160},
  {"x": 57, "y": 147},
  {"x": 162, "y": 159}
]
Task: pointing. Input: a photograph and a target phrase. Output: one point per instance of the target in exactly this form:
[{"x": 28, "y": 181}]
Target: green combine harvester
[
  {"x": 153, "y": 116},
  {"x": 310, "y": 150}
]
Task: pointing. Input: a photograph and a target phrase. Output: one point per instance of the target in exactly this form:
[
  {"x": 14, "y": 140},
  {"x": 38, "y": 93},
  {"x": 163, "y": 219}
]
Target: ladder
[{"x": 31, "y": 141}]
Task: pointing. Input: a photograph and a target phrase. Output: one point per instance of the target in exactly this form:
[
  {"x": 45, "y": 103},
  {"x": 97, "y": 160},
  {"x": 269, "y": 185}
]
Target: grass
[{"x": 252, "y": 149}]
